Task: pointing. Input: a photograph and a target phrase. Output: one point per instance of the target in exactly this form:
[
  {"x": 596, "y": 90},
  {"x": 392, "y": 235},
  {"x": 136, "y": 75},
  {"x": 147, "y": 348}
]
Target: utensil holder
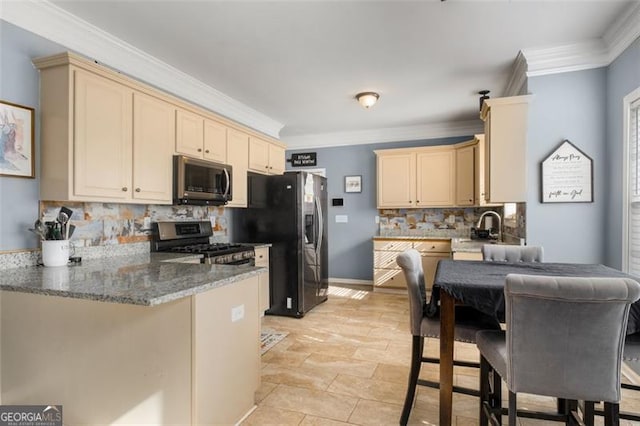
[{"x": 55, "y": 252}]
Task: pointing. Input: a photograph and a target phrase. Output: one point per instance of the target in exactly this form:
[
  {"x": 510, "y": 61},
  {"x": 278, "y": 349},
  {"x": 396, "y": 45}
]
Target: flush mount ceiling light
[{"x": 367, "y": 99}]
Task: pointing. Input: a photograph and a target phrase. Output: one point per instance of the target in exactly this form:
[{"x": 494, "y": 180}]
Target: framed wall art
[
  {"x": 17, "y": 147},
  {"x": 353, "y": 184},
  {"x": 567, "y": 175}
]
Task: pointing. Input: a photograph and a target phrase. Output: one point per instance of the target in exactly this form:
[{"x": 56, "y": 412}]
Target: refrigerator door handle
[{"x": 320, "y": 226}]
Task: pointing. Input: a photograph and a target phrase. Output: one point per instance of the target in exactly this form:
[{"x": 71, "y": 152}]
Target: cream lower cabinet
[
  {"x": 184, "y": 362},
  {"x": 237, "y": 157},
  {"x": 387, "y": 273},
  {"x": 432, "y": 251},
  {"x": 262, "y": 260},
  {"x": 416, "y": 177}
]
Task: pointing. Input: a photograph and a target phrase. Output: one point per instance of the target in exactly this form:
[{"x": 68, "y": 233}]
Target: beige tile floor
[{"x": 347, "y": 362}]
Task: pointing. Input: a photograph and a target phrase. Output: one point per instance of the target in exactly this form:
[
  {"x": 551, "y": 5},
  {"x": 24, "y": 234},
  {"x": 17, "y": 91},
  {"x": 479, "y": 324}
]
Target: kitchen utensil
[
  {"x": 63, "y": 218},
  {"x": 70, "y": 229},
  {"x": 39, "y": 233}
]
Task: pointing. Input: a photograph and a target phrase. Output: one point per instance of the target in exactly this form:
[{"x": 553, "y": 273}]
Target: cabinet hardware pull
[
  {"x": 199, "y": 149},
  {"x": 124, "y": 189},
  {"x": 206, "y": 151},
  {"x": 137, "y": 189}
]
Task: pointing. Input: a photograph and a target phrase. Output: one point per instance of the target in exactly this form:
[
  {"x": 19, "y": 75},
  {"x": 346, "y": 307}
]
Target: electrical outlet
[
  {"x": 289, "y": 303},
  {"x": 237, "y": 313}
]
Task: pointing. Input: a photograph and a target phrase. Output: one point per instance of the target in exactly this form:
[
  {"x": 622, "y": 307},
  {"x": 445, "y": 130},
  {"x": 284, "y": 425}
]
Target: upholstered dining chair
[
  {"x": 564, "y": 339},
  {"x": 511, "y": 253},
  {"x": 468, "y": 322}
]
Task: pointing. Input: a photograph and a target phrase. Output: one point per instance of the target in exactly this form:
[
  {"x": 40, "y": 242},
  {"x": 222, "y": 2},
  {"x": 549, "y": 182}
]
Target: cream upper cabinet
[
  {"x": 200, "y": 137},
  {"x": 435, "y": 172},
  {"x": 465, "y": 176},
  {"x": 189, "y": 133},
  {"x": 266, "y": 157},
  {"x": 215, "y": 141},
  {"x": 238, "y": 158},
  {"x": 505, "y": 125},
  {"x": 153, "y": 136},
  {"x": 416, "y": 177},
  {"x": 106, "y": 137},
  {"x": 396, "y": 179},
  {"x": 259, "y": 155},
  {"x": 276, "y": 159},
  {"x": 102, "y": 126}
]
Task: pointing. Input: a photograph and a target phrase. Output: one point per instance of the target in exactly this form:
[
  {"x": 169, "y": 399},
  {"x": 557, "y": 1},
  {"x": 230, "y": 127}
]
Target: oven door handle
[{"x": 226, "y": 190}]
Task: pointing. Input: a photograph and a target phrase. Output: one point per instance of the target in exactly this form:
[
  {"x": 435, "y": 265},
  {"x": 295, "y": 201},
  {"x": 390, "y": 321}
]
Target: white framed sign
[{"x": 567, "y": 175}]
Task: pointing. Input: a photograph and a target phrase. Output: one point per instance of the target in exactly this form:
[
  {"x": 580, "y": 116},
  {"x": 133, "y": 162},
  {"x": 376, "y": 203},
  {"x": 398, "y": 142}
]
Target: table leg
[{"x": 447, "y": 323}]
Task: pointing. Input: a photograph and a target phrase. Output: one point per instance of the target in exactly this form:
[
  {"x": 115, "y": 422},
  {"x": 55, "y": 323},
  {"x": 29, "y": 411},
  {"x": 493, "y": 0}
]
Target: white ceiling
[{"x": 301, "y": 62}]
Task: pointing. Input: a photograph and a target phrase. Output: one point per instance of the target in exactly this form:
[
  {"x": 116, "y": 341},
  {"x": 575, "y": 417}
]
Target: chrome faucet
[{"x": 493, "y": 213}]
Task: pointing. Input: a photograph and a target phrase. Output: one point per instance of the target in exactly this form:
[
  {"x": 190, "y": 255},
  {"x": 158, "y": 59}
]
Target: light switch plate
[{"x": 342, "y": 218}]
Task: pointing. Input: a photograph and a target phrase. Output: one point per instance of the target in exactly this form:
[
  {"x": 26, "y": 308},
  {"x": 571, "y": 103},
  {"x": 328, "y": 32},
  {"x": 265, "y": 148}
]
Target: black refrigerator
[{"x": 290, "y": 212}]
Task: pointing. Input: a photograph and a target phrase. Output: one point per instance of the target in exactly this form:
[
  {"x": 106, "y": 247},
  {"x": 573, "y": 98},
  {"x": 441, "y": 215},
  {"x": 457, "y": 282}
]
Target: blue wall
[
  {"x": 19, "y": 83},
  {"x": 623, "y": 77},
  {"x": 350, "y": 244},
  {"x": 567, "y": 106}
]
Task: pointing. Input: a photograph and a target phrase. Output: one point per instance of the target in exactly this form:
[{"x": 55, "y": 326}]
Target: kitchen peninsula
[{"x": 132, "y": 339}]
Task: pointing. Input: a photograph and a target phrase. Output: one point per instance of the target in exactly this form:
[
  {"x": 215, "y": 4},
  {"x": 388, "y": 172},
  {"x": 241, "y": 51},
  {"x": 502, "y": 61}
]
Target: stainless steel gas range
[{"x": 193, "y": 238}]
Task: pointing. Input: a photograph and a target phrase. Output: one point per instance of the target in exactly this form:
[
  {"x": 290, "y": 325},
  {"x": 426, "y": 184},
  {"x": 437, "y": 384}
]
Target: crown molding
[
  {"x": 588, "y": 54},
  {"x": 623, "y": 32},
  {"x": 390, "y": 134},
  {"x": 566, "y": 58},
  {"x": 51, "y": 22}
]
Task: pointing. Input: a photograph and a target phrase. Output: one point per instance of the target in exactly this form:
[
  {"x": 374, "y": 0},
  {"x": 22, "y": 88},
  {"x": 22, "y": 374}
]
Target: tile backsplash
[
  {"x": 451, "y": 222},
  {"x": 101, "y": 224}
]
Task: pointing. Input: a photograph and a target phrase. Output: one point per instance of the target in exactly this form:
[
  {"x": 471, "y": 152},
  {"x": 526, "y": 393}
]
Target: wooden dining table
[{"x": 480, "y": 285}]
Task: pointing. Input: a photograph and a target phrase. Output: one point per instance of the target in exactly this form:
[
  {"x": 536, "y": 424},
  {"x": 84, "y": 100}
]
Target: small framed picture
[
  {"x": 353, "y": 184},
  {"x": 17, "y": 157}
]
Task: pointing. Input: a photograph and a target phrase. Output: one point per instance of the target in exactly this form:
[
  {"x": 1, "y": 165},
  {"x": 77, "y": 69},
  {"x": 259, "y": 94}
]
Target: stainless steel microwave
[{"x": 200, "y": 182}]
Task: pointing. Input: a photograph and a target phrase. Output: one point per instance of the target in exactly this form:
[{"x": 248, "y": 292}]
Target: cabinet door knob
[
  {"x": 266, "y": 167},
  {"x": 124, "y": 189},
  {"x": 206, "y": 151},
  {"x": 199, "y": 149},
  {"x": 137, "y": 189}
]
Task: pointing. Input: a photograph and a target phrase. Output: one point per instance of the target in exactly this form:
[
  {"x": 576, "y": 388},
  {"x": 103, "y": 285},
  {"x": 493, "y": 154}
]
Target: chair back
[
  {"x": 410, "y": 262},
  {"x": 511, "y": 253},
  {"x": 565, "y": 335}
]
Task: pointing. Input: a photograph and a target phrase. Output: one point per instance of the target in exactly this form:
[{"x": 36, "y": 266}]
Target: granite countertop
[{"x": 145, "y": 279}]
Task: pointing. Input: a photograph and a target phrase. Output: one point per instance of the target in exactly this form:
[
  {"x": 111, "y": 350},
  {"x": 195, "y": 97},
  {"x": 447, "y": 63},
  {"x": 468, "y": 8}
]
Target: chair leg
[
  {"x": 490, "y": 394},
  {"x": 611, "y": 414},
  {"x": 589, "y": 413},
  {"x": 513, "y": 409},
  {"x": 484, "y": 390},
  {"x": 416, "y": 361}
]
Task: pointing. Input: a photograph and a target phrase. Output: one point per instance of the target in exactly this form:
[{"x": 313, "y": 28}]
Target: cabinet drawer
[
  {"x": 391, "y": 245},
  {"x": 463, "y": 255},
  {"x": 389, "y": 278},
  {"x": 385, "y": 259},
  {"x": 436, "y": 246}
]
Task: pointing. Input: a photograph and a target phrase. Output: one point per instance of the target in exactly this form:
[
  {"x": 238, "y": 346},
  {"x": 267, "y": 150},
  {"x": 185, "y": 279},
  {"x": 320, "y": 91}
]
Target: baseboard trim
[{"x": 350, "y": 281}]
